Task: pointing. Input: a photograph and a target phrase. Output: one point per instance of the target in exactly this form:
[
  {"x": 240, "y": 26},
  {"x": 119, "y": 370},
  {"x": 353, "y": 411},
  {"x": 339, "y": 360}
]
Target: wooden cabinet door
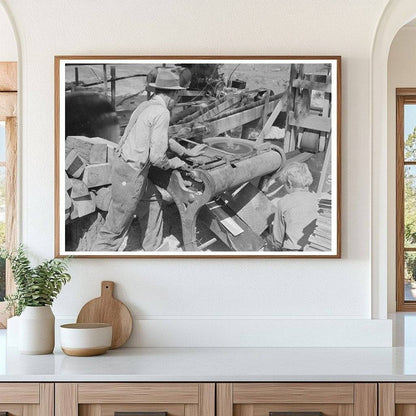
[
  {"x": 297, "y": 399},
  {"x": 27, "y": 399},
  {"x": 397, "y": 399},
  {"x": 153, "y": 399}
]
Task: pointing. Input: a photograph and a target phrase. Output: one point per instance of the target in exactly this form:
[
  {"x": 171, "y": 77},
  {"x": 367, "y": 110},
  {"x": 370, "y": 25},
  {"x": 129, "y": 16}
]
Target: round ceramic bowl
[{"x": 84, "y": 340}]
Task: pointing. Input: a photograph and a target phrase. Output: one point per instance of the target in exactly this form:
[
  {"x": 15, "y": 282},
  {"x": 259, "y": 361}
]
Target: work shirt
[
  {"x": 294, "y": 220},
  {"x": 147, "y": 140}
]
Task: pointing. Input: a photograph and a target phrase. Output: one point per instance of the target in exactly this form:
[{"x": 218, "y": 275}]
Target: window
[
  {"x": 406, "y": 199},
  {"x": 2, "y": 206},
  {"x": 8, "y": 166}
]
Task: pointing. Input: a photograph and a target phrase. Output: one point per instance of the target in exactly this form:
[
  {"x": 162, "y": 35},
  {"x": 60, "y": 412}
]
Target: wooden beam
[
  {"x": 231, "y": 101},
  {"x": 311, "y": 122},
  {"x": 8, "y": 76},
  {"x": 325, "y": 168},
  {"x": 8, "y": 105},
  {"x": 239, "y": 119}
]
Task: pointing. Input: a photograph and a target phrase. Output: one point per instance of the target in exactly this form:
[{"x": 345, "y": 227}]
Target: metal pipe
[{"x": 236, "y": 173}]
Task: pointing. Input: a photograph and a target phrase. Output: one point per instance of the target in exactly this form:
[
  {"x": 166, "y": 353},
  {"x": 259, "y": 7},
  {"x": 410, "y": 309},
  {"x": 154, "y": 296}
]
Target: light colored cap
[{"x": 166, "y": 80}]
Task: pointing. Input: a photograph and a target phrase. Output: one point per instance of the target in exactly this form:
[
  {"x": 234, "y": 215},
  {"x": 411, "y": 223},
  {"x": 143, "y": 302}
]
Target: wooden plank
[
  {"x": 219, "y": 109},
  {"x": 47, "y": 399},
  {"x": 325, "y": 113},
  {"x": 207, "y": 399},
  {"x": 27, "y": 393},
  {"x": 386, "y": 399},
  {"x": 311, "y": 122},
  {"x": 97, "y": 175},
  {"x": 224, "y": 399},
  {"x": 8, "y": 76},
  {"x": 266, "y": 104},
  {"x": 66, "y": 399},
  {"x": 267, "y": 126},
  {"x": 325, "y": 167},
  {"x": 365, "y": 399},
  {"x": 312, "y": 85},
  {"x": 8, "y": 105},
  {"x": 228, "y": 123},
  {"x": 405, "y": 393},
  {"x": 293, "y": 393},
  {"x": 138, "y": 393}
]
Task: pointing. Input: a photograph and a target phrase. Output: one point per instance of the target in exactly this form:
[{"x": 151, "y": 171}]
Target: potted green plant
[{"x": 36, "y": 289}]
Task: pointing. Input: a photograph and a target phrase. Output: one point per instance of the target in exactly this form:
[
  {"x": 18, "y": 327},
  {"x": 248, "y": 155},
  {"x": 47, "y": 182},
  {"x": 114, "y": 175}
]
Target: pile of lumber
[
  {"x": 87, "y": 176},
  {"x": 320, "y": 239}
]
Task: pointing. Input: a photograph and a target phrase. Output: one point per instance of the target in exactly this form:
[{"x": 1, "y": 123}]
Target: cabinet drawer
[
  {"x": 296, "y": 399},
  {"x": 397, "y": 399},
  {"x": 153, "y": 399},
  {"x": 21, "y": 399}
]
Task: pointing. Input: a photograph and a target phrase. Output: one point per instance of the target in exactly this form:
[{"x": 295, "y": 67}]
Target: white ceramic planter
[{"x": 37, "y": 330}]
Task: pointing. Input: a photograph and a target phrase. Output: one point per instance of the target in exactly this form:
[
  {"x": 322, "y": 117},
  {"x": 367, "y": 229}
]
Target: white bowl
[{"x": 83, "y": 340}]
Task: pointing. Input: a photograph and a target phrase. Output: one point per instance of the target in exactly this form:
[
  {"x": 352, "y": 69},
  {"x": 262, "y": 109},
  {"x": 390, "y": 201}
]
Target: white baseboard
[{"x": 254, "y": 332}]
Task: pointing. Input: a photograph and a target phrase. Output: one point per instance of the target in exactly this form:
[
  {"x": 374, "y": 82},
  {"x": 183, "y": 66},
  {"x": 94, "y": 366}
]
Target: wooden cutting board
[{"x": 107, "y": 309}]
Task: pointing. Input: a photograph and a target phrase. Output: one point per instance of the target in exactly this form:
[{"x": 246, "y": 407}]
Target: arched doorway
[
  {"x": 396, "y": 14},
  {"x": 8, "y": 149}
]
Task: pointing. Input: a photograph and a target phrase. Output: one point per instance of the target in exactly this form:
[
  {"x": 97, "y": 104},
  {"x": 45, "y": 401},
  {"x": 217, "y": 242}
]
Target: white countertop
[{"x": 213, "y": 364}]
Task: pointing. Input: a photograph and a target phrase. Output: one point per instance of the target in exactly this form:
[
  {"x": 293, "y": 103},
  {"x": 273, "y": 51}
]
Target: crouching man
[{"x": 144, "y": 143}]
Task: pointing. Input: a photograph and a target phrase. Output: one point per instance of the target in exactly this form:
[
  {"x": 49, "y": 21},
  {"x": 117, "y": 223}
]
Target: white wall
[
  {"x": 401, "y": 74},
  {"x": 8, "y": 47},
  {"x": 179, "y": 302}
]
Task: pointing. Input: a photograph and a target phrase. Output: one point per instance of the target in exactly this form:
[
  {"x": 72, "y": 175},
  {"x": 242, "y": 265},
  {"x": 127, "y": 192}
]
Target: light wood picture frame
[{"x": 248, "y": 167}]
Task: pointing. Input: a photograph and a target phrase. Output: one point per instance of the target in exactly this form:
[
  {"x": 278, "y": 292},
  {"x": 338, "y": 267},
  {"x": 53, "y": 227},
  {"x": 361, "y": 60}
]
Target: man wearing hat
[{"x": 144, "y": 143}]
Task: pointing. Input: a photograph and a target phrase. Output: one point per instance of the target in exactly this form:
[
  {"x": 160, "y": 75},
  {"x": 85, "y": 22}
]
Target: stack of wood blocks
[
  {"x": 320, "y": 240},
  {"x": 88, "y": 174}
]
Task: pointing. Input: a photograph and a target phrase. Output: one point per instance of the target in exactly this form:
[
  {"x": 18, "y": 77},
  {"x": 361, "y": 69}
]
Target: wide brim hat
[{"x": 166, "y": 79}]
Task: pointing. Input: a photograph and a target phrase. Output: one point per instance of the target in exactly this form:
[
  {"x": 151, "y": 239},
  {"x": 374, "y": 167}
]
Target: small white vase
[{"x": 37, "y": 330}]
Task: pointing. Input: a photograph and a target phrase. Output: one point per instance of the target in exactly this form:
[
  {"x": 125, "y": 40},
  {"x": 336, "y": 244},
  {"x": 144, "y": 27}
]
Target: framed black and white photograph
[{"x": 198, "y": 156}]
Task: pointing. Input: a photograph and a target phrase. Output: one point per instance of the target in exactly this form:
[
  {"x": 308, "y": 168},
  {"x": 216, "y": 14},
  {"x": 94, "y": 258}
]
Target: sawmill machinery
[{"x": 226, "y": 164}]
